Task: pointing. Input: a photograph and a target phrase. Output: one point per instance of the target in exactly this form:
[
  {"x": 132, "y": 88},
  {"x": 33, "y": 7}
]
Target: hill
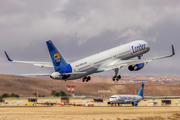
[{"x": 98, "y": 86}]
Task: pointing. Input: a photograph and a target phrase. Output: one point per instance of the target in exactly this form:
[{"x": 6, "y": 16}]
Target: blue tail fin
[
  {"x": 141, "y": 90},
  {"x": 57, "y": 59}
]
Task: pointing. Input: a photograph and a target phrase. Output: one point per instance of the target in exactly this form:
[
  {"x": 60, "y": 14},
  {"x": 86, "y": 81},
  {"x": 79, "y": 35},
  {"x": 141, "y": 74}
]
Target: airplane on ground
[
  {"x": 112, "y": 59},
  {"x": 128, "y": 99}
]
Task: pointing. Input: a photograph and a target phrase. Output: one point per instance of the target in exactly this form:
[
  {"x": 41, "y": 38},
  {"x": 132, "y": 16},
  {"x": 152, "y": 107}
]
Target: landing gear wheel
[
  {"x": 119, "y": 77},
  {"x": 86, "y": 79},
  {"x": 116, "y": 78}
]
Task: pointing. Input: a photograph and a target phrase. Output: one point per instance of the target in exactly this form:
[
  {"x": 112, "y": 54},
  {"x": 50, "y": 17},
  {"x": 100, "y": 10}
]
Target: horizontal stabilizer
[
  {"x": 40, "y": 64},
  {"x": 40, "y": 74},
  {"x": 48, "y": 74}
]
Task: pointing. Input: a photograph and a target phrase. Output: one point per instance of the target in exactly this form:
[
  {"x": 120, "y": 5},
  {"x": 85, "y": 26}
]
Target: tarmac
[{"x": 89, "y": 113}]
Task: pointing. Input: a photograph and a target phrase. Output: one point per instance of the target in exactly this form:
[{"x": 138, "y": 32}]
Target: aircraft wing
[
  {"x": 161, "y": 97},
  {"x": 122, "y": 63},
  {"x": 41, "y": 64}
]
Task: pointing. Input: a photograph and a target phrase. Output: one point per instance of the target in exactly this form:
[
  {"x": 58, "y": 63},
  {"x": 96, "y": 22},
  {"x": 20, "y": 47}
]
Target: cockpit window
[{"x": 112, "y": 97}]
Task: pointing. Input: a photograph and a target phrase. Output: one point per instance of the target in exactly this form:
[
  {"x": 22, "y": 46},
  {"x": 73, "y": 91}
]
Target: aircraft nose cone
[{"x": 111, "y": 100}]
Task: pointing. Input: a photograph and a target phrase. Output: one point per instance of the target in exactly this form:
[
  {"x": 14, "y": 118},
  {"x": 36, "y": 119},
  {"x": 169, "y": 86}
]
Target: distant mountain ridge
[{"x": 98, "y": 86}]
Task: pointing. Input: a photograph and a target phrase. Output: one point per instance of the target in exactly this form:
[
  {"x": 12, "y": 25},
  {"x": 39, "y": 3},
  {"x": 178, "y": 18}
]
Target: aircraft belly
[
  {"x": 89, "y": 72},
  {"x": 78, "y": 76},
  {"x": 121, "y": 102}
]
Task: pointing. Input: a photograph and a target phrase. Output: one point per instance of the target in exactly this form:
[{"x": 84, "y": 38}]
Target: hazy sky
[{"x": 80, "y": 28}]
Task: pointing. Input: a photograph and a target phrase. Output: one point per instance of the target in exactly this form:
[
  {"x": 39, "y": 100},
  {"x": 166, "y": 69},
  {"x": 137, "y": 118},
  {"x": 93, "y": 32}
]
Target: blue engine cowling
[
  {"x": 135, "y": 103},
  {"x": 136, "y": 67}
]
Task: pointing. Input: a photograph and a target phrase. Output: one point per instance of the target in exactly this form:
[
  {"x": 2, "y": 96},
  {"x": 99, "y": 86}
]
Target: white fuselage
[
  {"x": 125, "y": 99},
  {"x": 96, "y": 63}
]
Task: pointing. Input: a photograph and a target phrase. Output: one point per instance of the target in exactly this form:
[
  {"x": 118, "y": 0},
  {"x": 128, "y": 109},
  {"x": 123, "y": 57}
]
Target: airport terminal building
[{"x": 86, "y": 101}]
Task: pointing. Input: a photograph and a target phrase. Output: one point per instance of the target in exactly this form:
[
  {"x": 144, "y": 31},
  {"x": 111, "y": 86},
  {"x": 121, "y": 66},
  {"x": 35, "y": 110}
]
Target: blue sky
[{"x": 80, "y": 28}]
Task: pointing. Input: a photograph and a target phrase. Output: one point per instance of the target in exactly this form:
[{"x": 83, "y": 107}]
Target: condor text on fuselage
[{"x": 137, "y": 48}]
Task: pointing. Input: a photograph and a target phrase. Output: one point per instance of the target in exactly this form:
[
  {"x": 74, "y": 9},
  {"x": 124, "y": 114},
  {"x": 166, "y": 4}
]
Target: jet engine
[
  {"x": 57, "y": 75},
  {"x": 136, "y": 67},
  {"x": 135, "y": 103}
]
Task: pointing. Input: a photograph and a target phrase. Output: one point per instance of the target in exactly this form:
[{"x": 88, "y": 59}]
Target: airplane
[
  {"x": 112, "y": 59},
  {"x": 128, "y": 99}
]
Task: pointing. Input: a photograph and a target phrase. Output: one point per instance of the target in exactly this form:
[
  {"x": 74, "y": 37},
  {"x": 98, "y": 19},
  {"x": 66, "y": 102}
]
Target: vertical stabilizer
[
  {"x": 141, "y": 90},
  {"x": 57, "y": 59}
]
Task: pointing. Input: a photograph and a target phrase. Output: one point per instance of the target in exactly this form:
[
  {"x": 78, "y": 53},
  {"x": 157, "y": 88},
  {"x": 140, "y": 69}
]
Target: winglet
[
  {"x": 173, "y": 51},
  {"x": 8, "y": 56}
]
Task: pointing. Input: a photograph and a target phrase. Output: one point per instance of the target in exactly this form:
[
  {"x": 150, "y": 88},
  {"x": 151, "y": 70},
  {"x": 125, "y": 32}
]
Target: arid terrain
[
  {"x": 98, "y": 86},
  {"x": 90, "y": 113}
]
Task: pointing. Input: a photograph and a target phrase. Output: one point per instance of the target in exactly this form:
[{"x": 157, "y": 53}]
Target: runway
[{"x": 89, "y": 113}]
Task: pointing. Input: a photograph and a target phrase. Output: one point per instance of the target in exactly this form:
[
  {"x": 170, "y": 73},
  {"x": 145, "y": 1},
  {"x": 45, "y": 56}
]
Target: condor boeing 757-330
[{"x": 112, "y": 59}]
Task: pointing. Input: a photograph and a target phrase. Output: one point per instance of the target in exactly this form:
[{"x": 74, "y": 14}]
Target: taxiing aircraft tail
[
  {"x": 57, "y": 59},
  {"x": 141, "y": 90}
]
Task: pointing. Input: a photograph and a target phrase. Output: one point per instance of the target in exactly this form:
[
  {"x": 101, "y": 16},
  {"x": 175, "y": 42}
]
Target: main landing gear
[
  {"x": 116, "y": 77},
  {"x": 86, "y": 79}
]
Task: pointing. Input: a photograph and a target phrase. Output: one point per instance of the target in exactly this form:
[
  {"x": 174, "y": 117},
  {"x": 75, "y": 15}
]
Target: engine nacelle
[
  {"x": 135, "y": 103},
  {"x": 57, "y": 75},
  {"x": 136, "y": 67}
]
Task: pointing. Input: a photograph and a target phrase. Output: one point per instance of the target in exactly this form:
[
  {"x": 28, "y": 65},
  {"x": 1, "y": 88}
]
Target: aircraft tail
[
  {"x": 57, "y": 59},
  {"x": 141, "y": 90}
]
